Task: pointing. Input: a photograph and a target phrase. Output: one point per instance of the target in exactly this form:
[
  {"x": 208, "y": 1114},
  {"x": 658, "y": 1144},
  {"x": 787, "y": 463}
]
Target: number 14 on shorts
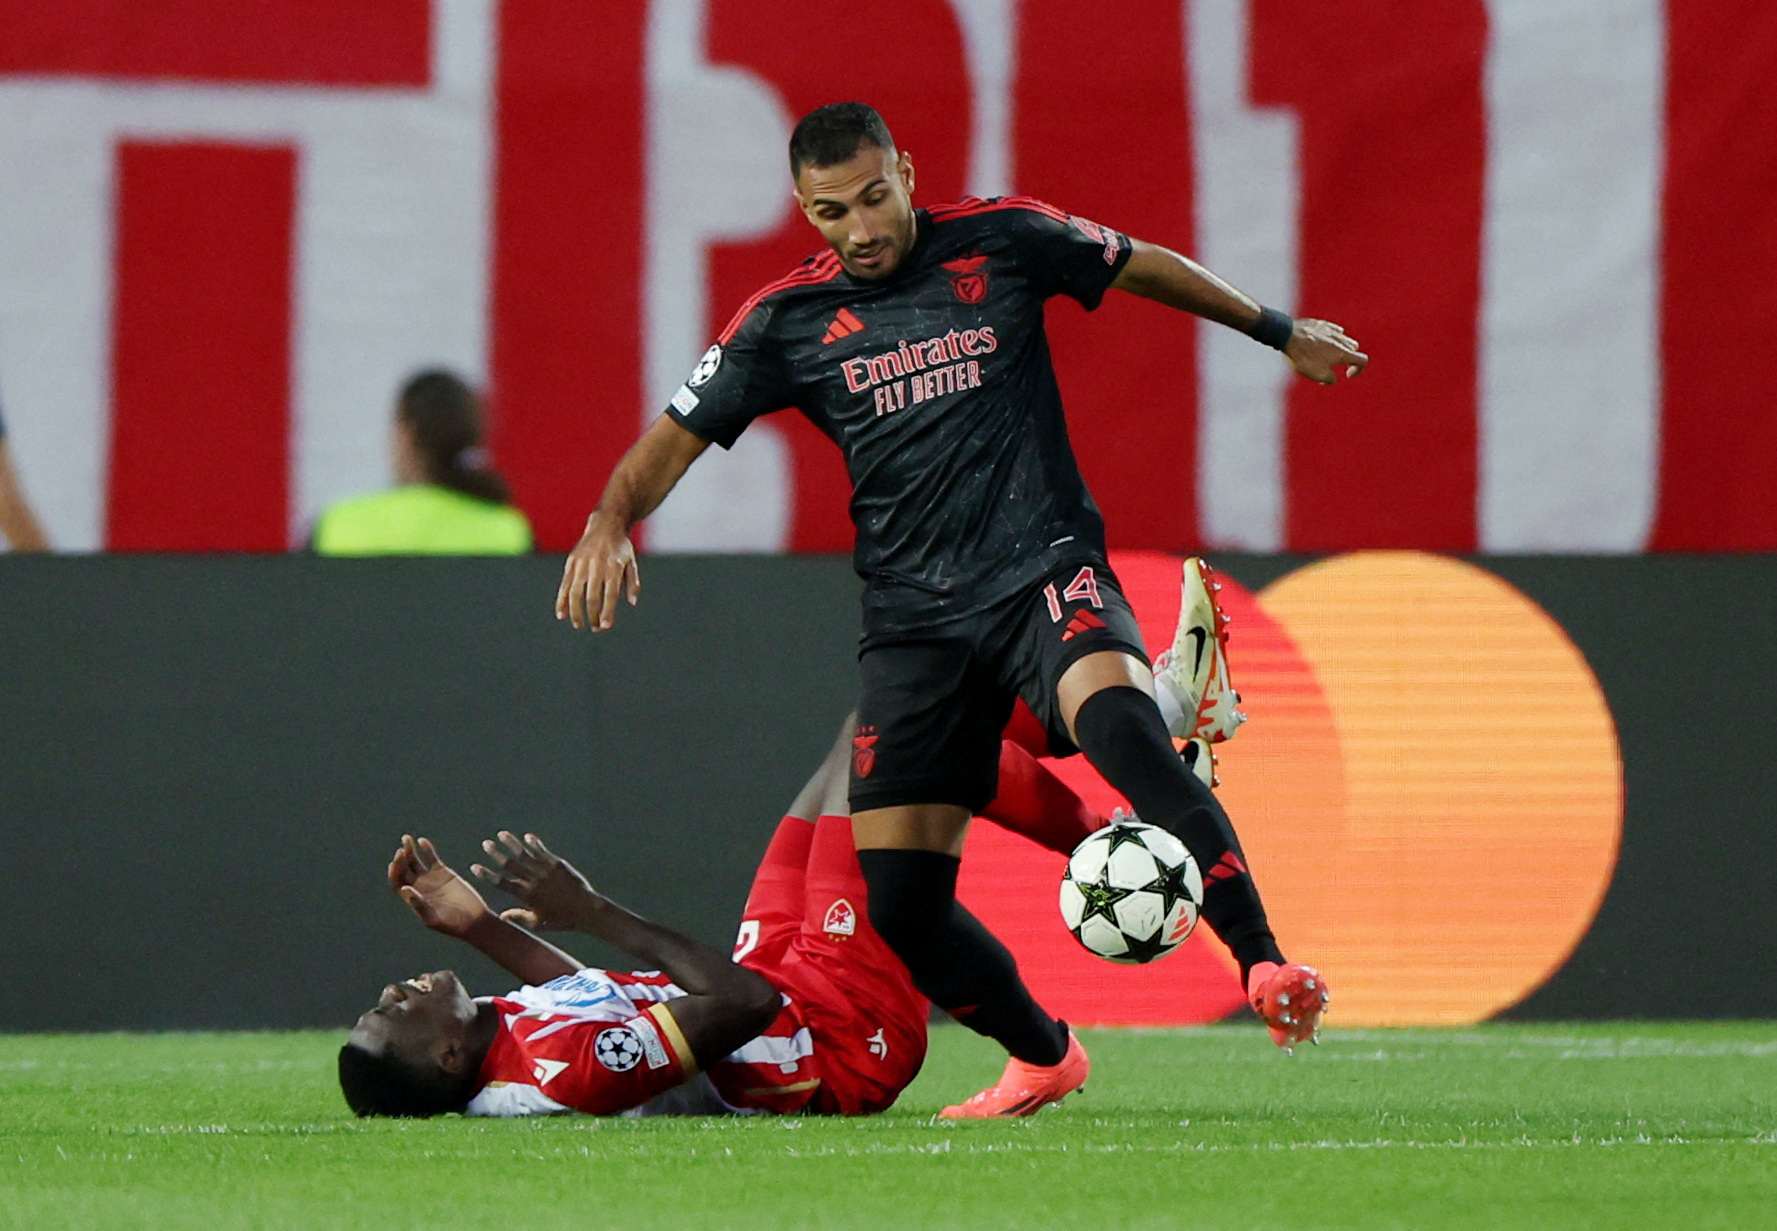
[{"x": 1084, "y": 586}]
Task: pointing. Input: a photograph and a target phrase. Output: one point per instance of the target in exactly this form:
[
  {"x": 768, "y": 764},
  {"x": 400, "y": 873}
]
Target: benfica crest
[
  {"x": 864, "y": 751},
  {"x": 968, "y": 278}
]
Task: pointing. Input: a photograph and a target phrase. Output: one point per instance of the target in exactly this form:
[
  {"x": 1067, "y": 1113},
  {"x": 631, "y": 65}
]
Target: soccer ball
[{"x": 1131, "y": 893}]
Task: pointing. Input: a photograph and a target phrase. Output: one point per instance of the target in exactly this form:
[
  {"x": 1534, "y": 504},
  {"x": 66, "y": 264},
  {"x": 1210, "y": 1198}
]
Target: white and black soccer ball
[{"x": 1131, "y": 893}]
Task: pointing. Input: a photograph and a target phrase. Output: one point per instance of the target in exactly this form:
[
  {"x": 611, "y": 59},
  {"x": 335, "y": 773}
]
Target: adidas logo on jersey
[
  {"x": 1083, "y": 620},
  {"x": 842, "y": 326}
]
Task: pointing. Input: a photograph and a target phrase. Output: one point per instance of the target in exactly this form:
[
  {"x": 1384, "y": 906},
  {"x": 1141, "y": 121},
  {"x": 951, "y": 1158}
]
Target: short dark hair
[
  {"x": 830, "y": 135},
  {"x": 377, "y": 1084}
]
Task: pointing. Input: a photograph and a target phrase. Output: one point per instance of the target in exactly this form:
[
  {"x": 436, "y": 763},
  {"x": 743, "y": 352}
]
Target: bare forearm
[
  {"x": 521, "y": 954},
  {"x": 631, "y": 494},
  {"x": 647, "y": 472},
  {"x": 1179, "y": 282},
  {"x": 694, "y": 966}
]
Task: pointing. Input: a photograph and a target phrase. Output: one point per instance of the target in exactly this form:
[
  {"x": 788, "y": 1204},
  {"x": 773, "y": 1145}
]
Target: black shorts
[{"x": 934, "y": 703}]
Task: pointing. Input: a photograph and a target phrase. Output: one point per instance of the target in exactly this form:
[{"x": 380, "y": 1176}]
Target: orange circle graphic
[{"x": 1482, "y": 794}]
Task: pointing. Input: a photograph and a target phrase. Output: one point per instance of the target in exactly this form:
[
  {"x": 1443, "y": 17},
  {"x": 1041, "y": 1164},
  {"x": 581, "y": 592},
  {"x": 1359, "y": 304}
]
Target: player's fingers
[
  {"x": 535, "y": 846},
  {"x": 607, "y": 600},
  {"x": 511, "y": 854},
  {"x": 580, "y": 604},
  {"x": 564, "y": 590},
  {"x": 401, "y": 862},
  {"x": 1357, "y": 362},
  {"x": 522, "y": 917},
  {"x": 426, "y": 855},
  {"x": 498, "y": 880},
  {"x": 501, "y": 866},
  {"x": 571, "y": 598},
  {"x": 632, "y": 574}
]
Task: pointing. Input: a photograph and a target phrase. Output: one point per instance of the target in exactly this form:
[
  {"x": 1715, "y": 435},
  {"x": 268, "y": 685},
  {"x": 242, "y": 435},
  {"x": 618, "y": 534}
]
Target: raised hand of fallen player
[
  {"x": 432, "y": 890},
  {"x": 555, "y": 896},
  {"x": 1320, "y": 350}
]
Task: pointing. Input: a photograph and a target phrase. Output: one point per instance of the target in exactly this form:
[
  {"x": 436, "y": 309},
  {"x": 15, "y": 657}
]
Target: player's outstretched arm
[
  {"x": 1317, "y": 349},
  {"x": 603, "y": 563},
  {"x": 445, "y": 902},
  {"x": 725, "y": 1006}
]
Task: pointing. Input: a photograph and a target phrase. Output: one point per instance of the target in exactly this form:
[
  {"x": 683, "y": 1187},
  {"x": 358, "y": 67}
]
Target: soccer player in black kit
[{"x": 917, "y": 344}]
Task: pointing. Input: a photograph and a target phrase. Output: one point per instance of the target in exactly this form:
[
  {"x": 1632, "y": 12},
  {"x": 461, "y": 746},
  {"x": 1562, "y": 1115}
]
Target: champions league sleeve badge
[
  {"x": 618, "y": 1049},
  {"x": 706, "y": 367}
]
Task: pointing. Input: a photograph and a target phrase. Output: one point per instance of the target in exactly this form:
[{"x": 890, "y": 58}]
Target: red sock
[{"x": 1035, "y": 804}]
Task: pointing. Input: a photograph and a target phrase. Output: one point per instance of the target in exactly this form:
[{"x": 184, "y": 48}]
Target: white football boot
[
  {"x": 1202, "y": 760},
  {"x": 1191, "y": 681}
]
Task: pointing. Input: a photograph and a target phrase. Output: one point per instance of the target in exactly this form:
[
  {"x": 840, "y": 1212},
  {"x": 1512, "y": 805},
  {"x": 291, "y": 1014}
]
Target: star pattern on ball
[
  {"x": 1124, "y": 835},
  {"x": 1100, "y": 899},
  {"x": 1169, "y": 884}
]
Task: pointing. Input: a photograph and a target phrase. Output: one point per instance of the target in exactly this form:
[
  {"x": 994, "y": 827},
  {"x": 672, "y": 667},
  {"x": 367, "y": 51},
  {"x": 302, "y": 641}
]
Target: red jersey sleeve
[{"x": 542, "y": 1064}]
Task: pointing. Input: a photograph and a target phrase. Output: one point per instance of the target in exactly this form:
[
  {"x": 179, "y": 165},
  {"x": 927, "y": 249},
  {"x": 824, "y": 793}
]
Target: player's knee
[{"x": 1119, "y": 719}]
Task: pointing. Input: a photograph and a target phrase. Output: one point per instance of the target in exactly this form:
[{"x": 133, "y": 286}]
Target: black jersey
[{"x": 937, "y": 386}]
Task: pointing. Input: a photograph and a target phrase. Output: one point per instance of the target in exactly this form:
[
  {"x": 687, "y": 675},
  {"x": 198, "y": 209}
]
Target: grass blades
[{"x": 1546, "y": 1126}]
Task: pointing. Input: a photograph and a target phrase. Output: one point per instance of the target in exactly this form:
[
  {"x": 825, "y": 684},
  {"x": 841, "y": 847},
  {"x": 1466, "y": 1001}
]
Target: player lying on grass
[
  {"x": 812, "y": 1014},
  {"x": 604, "y": 1042}
]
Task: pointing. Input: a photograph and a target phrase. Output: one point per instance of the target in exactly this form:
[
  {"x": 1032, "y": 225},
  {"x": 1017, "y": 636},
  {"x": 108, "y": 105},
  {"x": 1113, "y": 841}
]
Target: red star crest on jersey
[
  {"x": 841, "y": 919},
  {"x": 970, "y": 278}
]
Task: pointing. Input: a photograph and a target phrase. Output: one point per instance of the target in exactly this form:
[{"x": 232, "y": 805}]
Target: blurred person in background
[
  {"x": 18, "y": 525},
  {"x": 449, "y": 501}
]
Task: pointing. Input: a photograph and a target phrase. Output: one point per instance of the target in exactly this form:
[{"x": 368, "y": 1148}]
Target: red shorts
[{"x": 807, "y": 929}]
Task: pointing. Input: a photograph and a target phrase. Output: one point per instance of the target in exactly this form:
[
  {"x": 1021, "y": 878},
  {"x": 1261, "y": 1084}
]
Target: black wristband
[{"x": 1274, "y": 328}]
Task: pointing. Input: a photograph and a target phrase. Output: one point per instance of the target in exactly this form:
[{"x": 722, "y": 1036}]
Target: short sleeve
[
  {"x": 1066, "y": 254},
  {"x": 614, "y": 1066},
  {"x": 737, "y": 380}
]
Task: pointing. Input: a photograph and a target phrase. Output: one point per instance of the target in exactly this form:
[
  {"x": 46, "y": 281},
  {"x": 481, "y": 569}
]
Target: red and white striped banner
[{"x": 228, "y": 229}]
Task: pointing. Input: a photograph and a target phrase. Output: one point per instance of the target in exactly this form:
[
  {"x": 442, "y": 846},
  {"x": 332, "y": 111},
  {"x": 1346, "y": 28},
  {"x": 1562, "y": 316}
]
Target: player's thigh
[
  {"x": 929, "y": 723},
  {"x": 777, "y": 902},
  {"x": 1101, "y": 669},
  {"x": 1078, "y": 613}
]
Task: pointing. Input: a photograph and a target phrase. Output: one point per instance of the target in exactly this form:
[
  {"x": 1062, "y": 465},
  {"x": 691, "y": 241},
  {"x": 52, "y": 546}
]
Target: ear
[
  {"x": 453, "y": 1057},
  {"x": 905, "y": 166}
]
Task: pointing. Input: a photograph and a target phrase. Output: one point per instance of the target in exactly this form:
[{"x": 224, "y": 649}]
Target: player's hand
[
  {"x": 443, "y": 900},
  {"x": 555, "y": 896},
  {"x": 1320, "y": 350},
  {"x": 602, "y": 564}
]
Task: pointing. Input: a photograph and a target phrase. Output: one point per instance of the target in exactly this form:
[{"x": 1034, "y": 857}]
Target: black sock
[
  {"x": 1121, "y": 732},
  {"x": 956, "y": 963}
]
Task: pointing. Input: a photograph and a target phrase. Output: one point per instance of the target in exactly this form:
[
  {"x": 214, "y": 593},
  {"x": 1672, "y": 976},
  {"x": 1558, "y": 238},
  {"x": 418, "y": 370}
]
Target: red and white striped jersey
[{"x": 604, "y": 1043}]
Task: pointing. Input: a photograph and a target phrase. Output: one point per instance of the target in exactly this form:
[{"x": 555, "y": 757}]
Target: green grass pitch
[{"x": 1625, "y": 1125}]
